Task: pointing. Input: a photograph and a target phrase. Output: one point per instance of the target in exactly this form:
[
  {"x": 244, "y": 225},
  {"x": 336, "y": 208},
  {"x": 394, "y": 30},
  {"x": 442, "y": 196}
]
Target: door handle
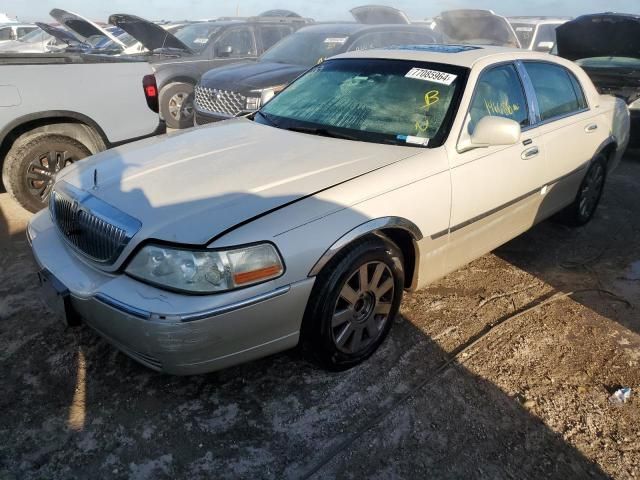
[
  {"x": 591, "y": 128},
  {"x": 529, "y": 153}
]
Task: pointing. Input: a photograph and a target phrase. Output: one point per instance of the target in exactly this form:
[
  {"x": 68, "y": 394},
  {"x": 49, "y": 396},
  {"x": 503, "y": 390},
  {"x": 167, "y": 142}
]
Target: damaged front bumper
[{"x": 169, "y": 332}]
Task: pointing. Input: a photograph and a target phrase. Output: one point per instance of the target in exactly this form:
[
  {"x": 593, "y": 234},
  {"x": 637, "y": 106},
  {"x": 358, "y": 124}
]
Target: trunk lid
[
  {"x": 151, "y": 36},
  {"x": 83, "y": 27}
]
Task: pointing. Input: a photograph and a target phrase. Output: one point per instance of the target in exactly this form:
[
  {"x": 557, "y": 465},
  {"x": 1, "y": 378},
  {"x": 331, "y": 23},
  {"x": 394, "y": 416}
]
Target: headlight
[
  {"x": 635, "y": 105},
  {"x": 203, "y": 271},
  {"x": 254, "y": 103}
]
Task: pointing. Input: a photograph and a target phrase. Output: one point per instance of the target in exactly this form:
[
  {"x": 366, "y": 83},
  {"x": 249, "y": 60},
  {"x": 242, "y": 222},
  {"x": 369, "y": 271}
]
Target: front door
[{"x": 495, "y": 190}]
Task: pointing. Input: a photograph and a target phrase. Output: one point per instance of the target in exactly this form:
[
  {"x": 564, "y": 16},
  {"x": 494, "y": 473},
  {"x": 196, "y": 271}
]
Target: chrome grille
[
  {"x": 219, "y": 102},
  {"x": 92, "y": 227}
]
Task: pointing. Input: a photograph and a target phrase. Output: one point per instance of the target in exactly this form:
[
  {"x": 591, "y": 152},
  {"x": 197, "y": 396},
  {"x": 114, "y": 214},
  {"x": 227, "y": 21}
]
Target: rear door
[
  {"x": 495, "y": 189},
  {"x": 269, "y": 35},
  {"x": 572, "y": 131}
]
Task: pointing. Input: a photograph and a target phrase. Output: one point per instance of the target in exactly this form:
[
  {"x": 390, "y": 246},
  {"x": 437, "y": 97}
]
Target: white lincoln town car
[{"x": 302, "y": 225}]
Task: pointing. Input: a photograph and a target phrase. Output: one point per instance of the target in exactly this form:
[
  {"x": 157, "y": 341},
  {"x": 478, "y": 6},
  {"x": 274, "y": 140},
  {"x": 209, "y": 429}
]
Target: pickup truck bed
[{"x": 58, "y": 108}]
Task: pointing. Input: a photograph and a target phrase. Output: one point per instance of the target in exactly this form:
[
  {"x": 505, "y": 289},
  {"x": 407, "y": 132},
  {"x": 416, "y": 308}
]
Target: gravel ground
[{"x": 493, "y": 372}]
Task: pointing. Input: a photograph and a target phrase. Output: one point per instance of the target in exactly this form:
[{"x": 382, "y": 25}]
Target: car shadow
[
  {"x": 74, "y": 406},
  {"x": 600, "y": 261}
]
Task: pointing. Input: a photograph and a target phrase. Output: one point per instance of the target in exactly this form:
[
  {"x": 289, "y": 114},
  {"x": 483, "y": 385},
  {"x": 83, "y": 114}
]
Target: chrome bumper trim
[{"x": 192, "y": 317}]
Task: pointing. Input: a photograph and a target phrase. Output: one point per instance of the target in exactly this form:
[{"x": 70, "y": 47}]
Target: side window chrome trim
[{"x": 540, "y": 122}]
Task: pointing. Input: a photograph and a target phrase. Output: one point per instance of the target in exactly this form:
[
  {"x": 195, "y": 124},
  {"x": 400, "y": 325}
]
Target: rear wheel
[
  {"x": 32, "y": 163},
  {"x": 353, "y": 304},
  {"x": 588, "y": 198},
  {"x": 176, "y": 105}
]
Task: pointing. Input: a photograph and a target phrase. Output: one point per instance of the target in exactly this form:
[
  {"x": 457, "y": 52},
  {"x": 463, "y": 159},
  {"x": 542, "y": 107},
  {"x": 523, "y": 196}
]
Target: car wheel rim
[
  {"x": 591, "y": 190},
  {"x": 179, "y": 106},
  {"x": 42, "y": 171},
  {"x": 363, "y": 308}
]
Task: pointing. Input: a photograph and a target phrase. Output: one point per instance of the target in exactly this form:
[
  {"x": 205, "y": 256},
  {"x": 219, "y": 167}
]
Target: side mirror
[
  {"x": 495, "y": 131},
  {"x": 224, "y": 51},
  {"x": 545, "y": 46}
]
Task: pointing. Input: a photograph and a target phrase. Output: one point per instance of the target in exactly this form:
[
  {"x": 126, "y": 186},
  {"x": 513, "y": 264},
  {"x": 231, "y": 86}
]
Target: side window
[
  {"x": 272, "y": 34},
  {"x": 499, "y": 93},
  {"x": 555, "y": 89},
  {"x": 22, "y": 31},
  {"x": 390, "y": 39},
  {"x": 241, "y": 42},
  {"x": 6, "y": 33}
]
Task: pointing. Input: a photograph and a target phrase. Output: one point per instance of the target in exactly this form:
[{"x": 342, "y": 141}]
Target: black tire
[
  {"x": 338, "y": 346},
  {"x": 176, "y": 105},
  {"x": 581, "y": 211},
  {"x": 32, "y": 162}
]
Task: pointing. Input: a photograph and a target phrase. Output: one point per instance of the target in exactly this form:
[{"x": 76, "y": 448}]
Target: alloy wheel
[
  {"x": 591, "y": 190},
  {"x": 363, "y": 306},
  {"x": 180, "y": 106},
  {"x": 43, "y": 169}
]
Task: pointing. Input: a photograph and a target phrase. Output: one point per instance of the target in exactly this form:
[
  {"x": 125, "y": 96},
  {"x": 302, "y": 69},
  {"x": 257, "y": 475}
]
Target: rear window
[{"x": 525, "y": 32}]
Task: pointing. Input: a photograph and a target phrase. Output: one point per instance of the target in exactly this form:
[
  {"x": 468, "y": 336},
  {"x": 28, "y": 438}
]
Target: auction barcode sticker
[{"x": 431, "y": 76}]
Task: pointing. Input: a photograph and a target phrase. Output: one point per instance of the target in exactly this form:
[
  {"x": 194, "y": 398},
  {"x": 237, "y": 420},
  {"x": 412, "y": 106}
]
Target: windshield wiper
[
  {"x": 268, "y": 118},
  {"x": 322, "y": 132}
]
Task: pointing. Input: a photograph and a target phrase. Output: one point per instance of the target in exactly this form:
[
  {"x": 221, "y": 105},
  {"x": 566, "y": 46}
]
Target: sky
[{"x": 32, "y": 10}]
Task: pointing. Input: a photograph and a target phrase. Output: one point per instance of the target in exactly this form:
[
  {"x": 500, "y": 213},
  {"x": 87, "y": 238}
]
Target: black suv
[
  {"x": 179, "y": 60},
  {"x": 236, "y": 89}
]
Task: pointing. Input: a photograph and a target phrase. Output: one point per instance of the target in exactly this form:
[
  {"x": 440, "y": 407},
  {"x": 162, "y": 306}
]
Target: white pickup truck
[{"x": 56, "y": 109}]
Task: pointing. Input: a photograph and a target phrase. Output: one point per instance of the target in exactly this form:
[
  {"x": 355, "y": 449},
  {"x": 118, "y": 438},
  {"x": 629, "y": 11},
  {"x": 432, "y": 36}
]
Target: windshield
[
  {"x": 37, "y": 35},
  {"x": 609, "y": 62},
  {"x": 383, "y": 101},
  {"x": 306, "y": 48},
  {"x": 525, "y": 32},
  {"x": 197, "y": 36}
]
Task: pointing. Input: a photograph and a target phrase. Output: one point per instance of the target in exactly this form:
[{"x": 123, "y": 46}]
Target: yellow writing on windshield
[
  {"x": 431, "y": 98},
  {"x": 422, "y": 127},
  {"x": 504, "y": 108}
]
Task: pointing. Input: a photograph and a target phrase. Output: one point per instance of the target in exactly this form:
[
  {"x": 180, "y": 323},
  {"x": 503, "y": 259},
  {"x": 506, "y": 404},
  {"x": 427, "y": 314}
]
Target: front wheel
[
  {"x": 353, "y": 304},
  {"x": 588, "y": 198},
  {"x": 176, "y": 105}
]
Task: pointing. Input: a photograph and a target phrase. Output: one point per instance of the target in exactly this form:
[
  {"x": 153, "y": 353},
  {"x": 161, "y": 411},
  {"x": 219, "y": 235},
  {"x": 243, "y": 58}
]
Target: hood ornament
[{"x": 95, "y": 179}]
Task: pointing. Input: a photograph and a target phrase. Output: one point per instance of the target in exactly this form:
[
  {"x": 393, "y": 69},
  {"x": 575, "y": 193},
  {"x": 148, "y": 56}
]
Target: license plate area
[{"x": 56, "y": 297}]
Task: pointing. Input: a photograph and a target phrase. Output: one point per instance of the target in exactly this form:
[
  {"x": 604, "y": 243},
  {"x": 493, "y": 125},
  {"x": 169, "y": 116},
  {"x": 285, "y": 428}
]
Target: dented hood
[
  {"x": 190, "y": 187},
  {"x": 477, "y": 27},
  {"x": 379, "y": 15},
  {"x": 600, "y": 35},
  {"x": 151, "y": 36},
  {"x": 81, "y": 26}
]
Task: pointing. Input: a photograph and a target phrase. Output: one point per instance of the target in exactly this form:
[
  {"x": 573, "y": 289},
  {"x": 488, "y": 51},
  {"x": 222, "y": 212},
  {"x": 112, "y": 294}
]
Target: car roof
[
  {"x": 350, "y": 28},
  {"x": 458, "y": 55}
]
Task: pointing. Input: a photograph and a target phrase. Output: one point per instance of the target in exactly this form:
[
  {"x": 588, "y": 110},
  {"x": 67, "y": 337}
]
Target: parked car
[
  {"x": 242, "y": 88},
  {"x": 60, "y": 108},
  {"x": 537, "y": 33},
  {"x": 607, "y": 47},
  {"x": 15, "y": 31},
  {"x": 375, "y": 172},
  {"x": 180, "y": 60},
  {"x": 37, "y": 41},
  {"x": 476, "y": 27},
  {"x": 86, "y": 30}
]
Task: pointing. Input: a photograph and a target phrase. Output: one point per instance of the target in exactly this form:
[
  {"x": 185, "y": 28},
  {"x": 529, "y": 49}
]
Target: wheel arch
[
  {"x": 401, "y": 231},
  {"x": 32, "y": 121},
  {"x": 608, "y": 148}
]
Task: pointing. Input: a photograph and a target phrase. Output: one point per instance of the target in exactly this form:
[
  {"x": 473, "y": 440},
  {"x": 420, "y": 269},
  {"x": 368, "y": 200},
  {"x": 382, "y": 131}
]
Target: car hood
[
  {"x": 379, "y": 15},
  {"x": 254, "y": 75},
  {"x": 601, "y": 35},
  {"x": 83, "y": 27},
  {"x": 477, "y": 26},
  {"x": 151, "y": 36},
  {"x": 192, "y": 186},
  {"x": 62, "y": 35}
]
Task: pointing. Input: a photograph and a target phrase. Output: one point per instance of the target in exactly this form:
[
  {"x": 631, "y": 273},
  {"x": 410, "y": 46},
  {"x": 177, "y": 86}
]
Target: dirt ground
[{"x": 493, "y": 372}]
